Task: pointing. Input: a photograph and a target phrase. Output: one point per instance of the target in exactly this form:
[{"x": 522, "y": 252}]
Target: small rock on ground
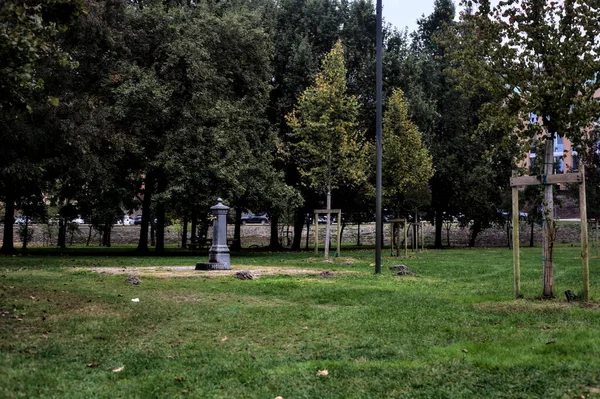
[
  {"x": 401, "y": 270},
  {"x": 245, "y": 275},
  {"x": 133, "y": 280}
]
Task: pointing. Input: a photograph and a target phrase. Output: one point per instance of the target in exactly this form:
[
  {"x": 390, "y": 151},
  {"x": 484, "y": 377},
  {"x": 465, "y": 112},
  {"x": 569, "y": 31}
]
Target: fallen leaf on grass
[
  {"x": 305, "y": 328},
  {"x": 179, "y": 379},
  {"x": 93, "y": 365},
  {"x": 118, "y": 369},
  {"x": 223, "y": 339},
  {"x": 279, "y": 397},
  {"x": 593, "y": 389},
  {"x": 550, "y": 342},
  {"x": 323, "y": 373},
  {"x": 464, "y": 351},
  {"x": 170, "y": 357}
]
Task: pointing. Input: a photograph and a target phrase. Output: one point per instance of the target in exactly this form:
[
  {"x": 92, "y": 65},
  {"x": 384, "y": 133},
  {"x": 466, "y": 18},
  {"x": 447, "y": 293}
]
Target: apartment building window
[
  {"x": 559, "y": 165},
  {"x": 558, "y": 144},
  {"x": 575, "y": 163}
]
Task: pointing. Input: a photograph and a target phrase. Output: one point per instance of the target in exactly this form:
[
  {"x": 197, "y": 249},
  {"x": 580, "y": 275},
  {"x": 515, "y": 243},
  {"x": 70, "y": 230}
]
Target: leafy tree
[
  {"x": 539, "y": 57},
  {"x": 328, "y": 149},
  {"x": 407, "y": 163},
  {"x": 29, "y": 41}
]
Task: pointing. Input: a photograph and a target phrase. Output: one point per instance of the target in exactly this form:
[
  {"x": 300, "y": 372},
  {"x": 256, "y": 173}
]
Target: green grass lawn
[{"x": 453, "y": 331}]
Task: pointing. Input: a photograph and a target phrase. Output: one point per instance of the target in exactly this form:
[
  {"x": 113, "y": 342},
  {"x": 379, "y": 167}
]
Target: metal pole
[
  {"x": 516, "y": 242},
  {"x": 585, "y": 252},
  {"x": 379, "y": 78}
]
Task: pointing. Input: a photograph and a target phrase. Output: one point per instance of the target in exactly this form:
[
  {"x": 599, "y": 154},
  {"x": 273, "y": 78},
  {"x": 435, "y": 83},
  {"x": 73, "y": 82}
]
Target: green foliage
[
  {"x": 28, "y": 39},
  {"x": 407, "y": 164},
  {"x": 535, "y": 57},
  {"x": 328, "y": 149}
]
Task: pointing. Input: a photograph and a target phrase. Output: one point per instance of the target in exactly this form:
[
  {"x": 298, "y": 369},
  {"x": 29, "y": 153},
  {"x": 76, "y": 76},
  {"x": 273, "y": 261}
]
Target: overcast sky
[{"x": 403, "y": 13}]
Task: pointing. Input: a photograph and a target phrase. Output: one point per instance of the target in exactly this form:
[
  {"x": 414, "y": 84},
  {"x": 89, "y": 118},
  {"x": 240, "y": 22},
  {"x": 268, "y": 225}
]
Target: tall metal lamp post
[{"x": 379, "y": 150}]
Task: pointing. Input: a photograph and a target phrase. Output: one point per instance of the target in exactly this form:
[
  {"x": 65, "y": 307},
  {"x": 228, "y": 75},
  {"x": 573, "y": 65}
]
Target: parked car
[
  {"x": 137, "y": 220},
  {"x": 22, "y": 220},
  {"x": 78, "y": 221},
  {"x": 255, "y": 219}
]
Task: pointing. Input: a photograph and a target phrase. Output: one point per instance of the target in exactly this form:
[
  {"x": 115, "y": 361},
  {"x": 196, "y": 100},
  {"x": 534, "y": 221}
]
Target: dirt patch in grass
[{"x": 189, "y": 271}]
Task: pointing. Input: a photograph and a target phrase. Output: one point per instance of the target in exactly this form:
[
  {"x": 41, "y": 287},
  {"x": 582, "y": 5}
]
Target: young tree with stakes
[
  {"x": 534, "y": 57},
  {"x": 328, "y": 147}
]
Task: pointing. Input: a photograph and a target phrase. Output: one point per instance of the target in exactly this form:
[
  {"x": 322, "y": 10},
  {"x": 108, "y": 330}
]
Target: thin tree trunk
[
  {"x": 274, "y": 240},
  {"x": 148, "y": 190},
  {"x": 299, "y": 220},
  {"x": 328, "y": 224},
  {"x": 160, "y": 213},
  {"x": 548, "y": 222},
  {"x": 184, "y": 232},
  {"x": 475, "y": 230},
  {"x": 531, "y": 235},
  {"x": 358, "y": 235},
  {"x": 439, "y": 220},
  {"x": 237, "y": 230},
  {"x": 8, "y": 245},
  {"x": 62, "y": 233},
  {"x": 307, "y": 232},
  {"x": 152, "y": 232},
  {"x": 194, "y": 228},
  {"x": 87, "y": 243},
  {"x": 26, "y": 235}
]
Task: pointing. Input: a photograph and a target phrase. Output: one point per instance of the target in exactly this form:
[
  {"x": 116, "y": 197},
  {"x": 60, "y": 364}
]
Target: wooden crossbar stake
[{"x": 520, "y": 181}]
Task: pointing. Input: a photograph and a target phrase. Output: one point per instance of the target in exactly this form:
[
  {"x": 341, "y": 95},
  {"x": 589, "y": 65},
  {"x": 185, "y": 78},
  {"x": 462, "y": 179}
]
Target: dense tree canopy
[{"x": 110, "y": 107}]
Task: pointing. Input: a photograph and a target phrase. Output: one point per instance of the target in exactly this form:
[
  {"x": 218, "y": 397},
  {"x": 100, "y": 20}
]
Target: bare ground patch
[{"x": 189, "y": 271}]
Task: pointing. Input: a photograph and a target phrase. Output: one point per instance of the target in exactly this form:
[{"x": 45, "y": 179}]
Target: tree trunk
[
  {"x": 328, "y": 224},
  {"x": 8, "y": 245},
  {"x": 62, "y": 233},
  {"x": 106, "y": 232},
  {"x": 358, "y": 235},
  {"x": 184, "y": 232},
  {"x": 299, "y": 220},
  {"x": 26, "y": 235},
  {"x": 274, "y": 241},
  {"x": 448, "y": 234},
  {"x": 89, "y": 238},
  {"x": 475, "y": 230},
  {"x": 194, "y": 228},
  {"x": 152, "y": 232},
  {"x": 531, "y": 235},
  {"x": 548, "y": 222},
  {"x": 307, "y": 232},
  {"x": 439, "y": 221},
  {"x": 148, "y": 189},
  {"x": 160, "y": 213},
  {"x": 237, "y": 230}
]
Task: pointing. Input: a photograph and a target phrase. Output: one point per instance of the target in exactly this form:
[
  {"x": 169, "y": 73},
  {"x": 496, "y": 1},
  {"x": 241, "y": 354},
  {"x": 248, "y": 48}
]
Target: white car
[
  {"x": 128, "y": 221},
  {"x": 78, "y": 221}
]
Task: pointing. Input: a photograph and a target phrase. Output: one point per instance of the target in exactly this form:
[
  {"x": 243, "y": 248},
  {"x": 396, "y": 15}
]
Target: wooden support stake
[
  {"x": 515, "y": 223},
  {"x": 585, "y": 260},
  {"x": 338, "y": 247},
  {"x": 405, "y": 238},
  {"x": 316, "y": 233}
]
